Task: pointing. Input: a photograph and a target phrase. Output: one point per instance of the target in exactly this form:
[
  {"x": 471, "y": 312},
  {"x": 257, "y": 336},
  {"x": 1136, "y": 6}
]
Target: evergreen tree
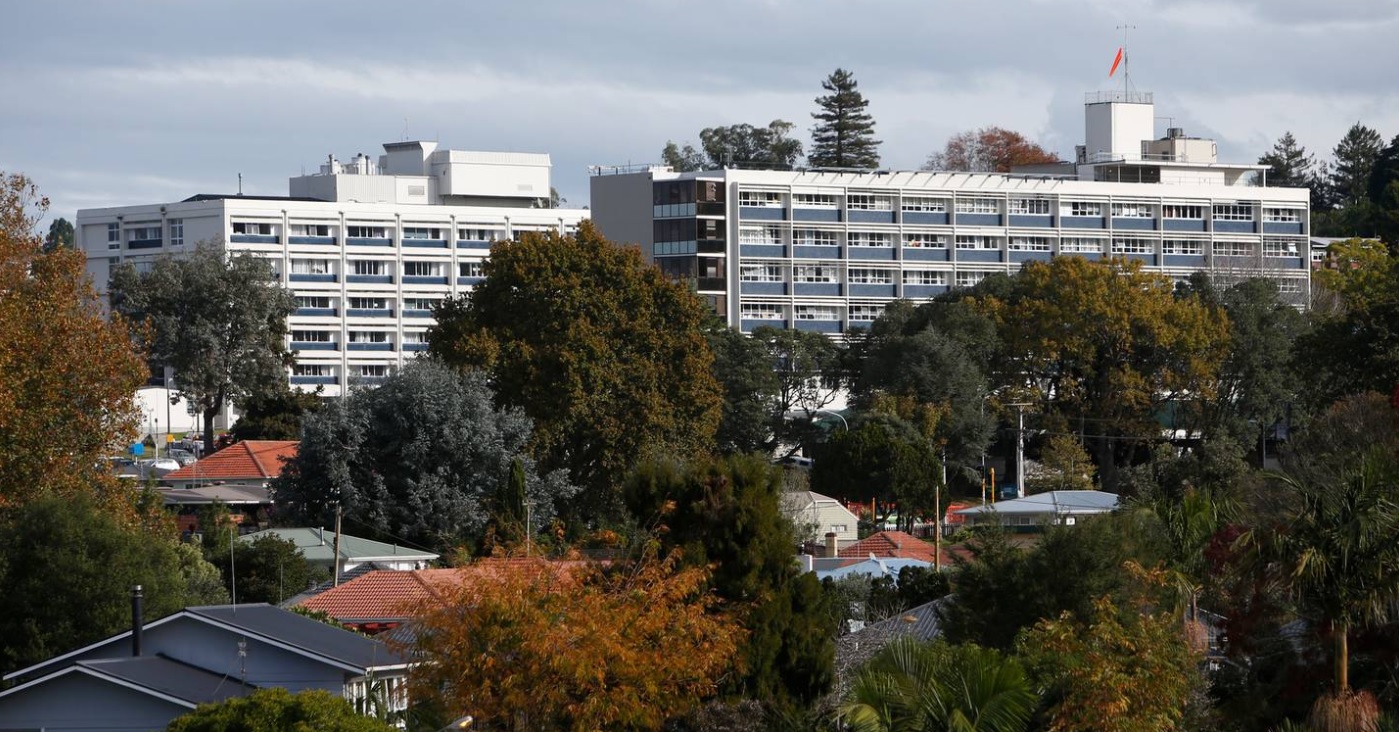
[
  {"x": 844, "y": 133},
  {"x": 1355, "y": 157},
  {"x": 1289, "y": 165},
  {"x": 60, "y": 235}
]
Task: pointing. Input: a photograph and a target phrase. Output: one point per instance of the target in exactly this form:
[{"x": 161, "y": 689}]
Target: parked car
[{"x": 183, "y": 457}]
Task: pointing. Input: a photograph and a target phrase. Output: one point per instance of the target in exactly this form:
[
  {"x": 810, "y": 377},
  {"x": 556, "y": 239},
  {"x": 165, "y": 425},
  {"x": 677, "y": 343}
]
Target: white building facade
[
  {"x": 368, "y": 249},
  {"x": 826, "y": 251}
]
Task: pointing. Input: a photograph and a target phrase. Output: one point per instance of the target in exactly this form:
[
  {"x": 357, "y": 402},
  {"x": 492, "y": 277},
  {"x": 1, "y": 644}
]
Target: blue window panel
[
  {"x": 762, "y": 288},
  {"x": 978, "y": 255},
  {"x": 369, "y": 379},
  {"x": 417, "y": 313},
  {"x": 978, "y": 219},
  {"x": 358, "y": 313},
  {"x": 294, "y": 277},
  {"x": 254, "y": 239},
  {"x": 1183, "y": 224},
  {"x": 920, "y": 254},
  {"x": 1031, "y": 220},
  {"x": 818, "y": 326},
  {"x": 1147, "y": 259},
  {"x": 858, "y": 290},
  {"x": 861, "y": 216},
  {"x": 872, "y": 254},
  {"x": 1081, "y": 222},
  {"x": 923, "y": 217},
  {"x": 369, "y": 346},
  {"x": 1133, "y": 224},
  {"x": 919, "y": 292},
  {"x": 473, "y": 244},
  {"x": 1234, "y": 227},
  {"x": 816, "y": 288},
  {"x": 325, "y": 240},
  {"x": 316, "y": 311},
  {"x": 1183, "y": 260},
  {"x": 1029, "y": 256},
  {"x": 815, "y": 214},
  {"x": 370, "y": 279},
  {"x": 1286, "y": 262},
  {"x": 143, "y": 244},
  {"x": 415, "y": 346},
  {"x": 426, "y": 243},
  {"x": 470, "y": 280},
  {"x": 313, "y": 380},
  {"x": 1090, "y": 256},
  {"x": 762, "y": 250},
  {"x": 423, "y": 280},
  {"x": 761, "y": 213},
  {"x": 749, "y": 325},
  {"x": 1282, "y": 227},
  {"x": 804, "y": 252},
  {"x": 366, "y": 241},
  {"x": 313, "y": 346}
]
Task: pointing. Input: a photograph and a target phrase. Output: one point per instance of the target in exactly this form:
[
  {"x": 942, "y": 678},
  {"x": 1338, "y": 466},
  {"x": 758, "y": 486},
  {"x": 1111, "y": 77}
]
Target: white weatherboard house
[
  {"x": 825, "y": 251},
  {"x": 368, "y": 248},
  {"x": 199, "y": 655},
  {"x": 318, "y": 545},
  {"x": 815, "y": 515}
]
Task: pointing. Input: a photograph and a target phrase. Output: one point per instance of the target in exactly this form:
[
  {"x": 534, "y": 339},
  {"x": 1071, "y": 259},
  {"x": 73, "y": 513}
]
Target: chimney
[
  {"x": 832, "y": 550},
  {"x": 806, "y": 562},
  {"x": 136, "y": 621}
]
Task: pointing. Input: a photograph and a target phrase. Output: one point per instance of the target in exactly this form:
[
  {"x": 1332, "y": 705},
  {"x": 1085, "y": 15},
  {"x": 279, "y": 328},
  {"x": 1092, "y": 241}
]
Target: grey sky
[{"x": 138, "y": 101}]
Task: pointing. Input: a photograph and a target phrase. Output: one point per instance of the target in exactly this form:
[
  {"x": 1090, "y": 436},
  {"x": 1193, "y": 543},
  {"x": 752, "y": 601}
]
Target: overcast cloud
[{"x": 142, "y": 101}]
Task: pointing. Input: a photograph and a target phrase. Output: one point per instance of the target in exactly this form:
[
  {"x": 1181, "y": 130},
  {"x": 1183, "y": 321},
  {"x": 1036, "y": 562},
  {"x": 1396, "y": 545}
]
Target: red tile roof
[
  {"x": 890, "y": 545},
  {"x": 259, "y": 460}
]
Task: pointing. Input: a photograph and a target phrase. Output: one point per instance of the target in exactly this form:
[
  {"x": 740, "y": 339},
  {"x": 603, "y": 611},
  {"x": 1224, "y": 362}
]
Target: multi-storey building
[
  {"x": 368, "y": 249},
  {"x": 825, "y": 251}
]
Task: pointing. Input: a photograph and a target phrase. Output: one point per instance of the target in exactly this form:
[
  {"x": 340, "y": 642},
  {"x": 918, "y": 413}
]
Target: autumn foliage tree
[
  {"x": 534, "y": 647},
  {"x": 989, "y": 150},
  {"x": 68, "y": 374}
]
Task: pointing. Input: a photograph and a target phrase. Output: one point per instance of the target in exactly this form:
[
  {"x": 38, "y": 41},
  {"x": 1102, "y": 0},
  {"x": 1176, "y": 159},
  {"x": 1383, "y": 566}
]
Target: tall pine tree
[
  {"x": 844, "y": 133},
  {"x": 1355, "y": 158},
  {"x": 1288, "y": 163}
]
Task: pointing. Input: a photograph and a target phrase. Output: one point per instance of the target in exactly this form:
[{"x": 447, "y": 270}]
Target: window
[
  {"x": 970, "y": 278},
  {"x": 1191, "y": 247},
  {"x": 1233, "y": 212},
  {"x": 473, "y": 268},
  {"x": 313, "y": 301},
  {"x": 1286, "y": 215},
  {"x": 759, "y": 235},
  {"x": 1280, "y": 248},
  {"x": 422, "y": 269},
  {"x": 924, "y": 205},
  {"x": 817, "y": 312},
  {"x": 1182, "y": 211},
  {"x": 764, "y": 199},
  {"x": 311, "y": 336},
  {"x": 1081, "y": 245},
  {"x": 369, "y": 303},
  {"x": 311, "y": 266},
  {"x": 1030, "y": 206},
  {"x": 372, "y": 267},
  {"x": 815, "y": 273},
  {"x": 255, "y": 228},
  {"x": 372, "y": 370},
  {"x": 414, "y": 336},
  {"x": 479, "y": 233},
  {"x": 869, "y": 202},
  {"x": 1132, "y": 210},
  {"x": 1233, "y": 249},
  {"x": 419, "y": 303},
  {"x": 871, "y": 277},
  {"x": 865, "y": 313},
  {"x": 924, "y": 277},
  {"x": 761, "y": 273},
  {"x": 1289, "y": 287},
  {"x": 760, "y": 311},
  {"x": 1031, "y": 244},
  {"x": 814, "y": 238},
  {"x": 977, "y": 241},
  {"x": 369, "y": 336},
  {"x": 311, "y": 369},
  {"x": 813, "y": 200},
  {"x": 1133, "y": 245},
  {"x": 113, "y": 261},
  {"x": 870, "y": 239},
  {"x": 925, "y": 241},
  {"x": 421, "y": 232},
  {"x": 114, "y": 236},
  {"x": 143, "y": 232},
  {"x": 366, "y": 232},
  {"x": 310, "y": 230},
  {"x": 177, "y": 232},
  {"x": 1081, "y": 208},
  {"x": 978, "y": 206}
]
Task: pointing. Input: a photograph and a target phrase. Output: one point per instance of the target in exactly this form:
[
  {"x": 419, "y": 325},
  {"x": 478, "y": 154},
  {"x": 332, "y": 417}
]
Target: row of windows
[
  {"x": 357, "y": 336},
  {"x": 380, "y": 267},
  {"x": 146, "y": 231},
  {"x": 365, "y": 370},
  {"x": 468, "y": 232},
  {"x": 830, "y": 273},
  {"x": 1034, "y": 206},
  {"x": 771, "y": 235}
]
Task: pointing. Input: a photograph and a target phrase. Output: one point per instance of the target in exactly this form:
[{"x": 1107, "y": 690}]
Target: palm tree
[{"x": 917, "y": 687}]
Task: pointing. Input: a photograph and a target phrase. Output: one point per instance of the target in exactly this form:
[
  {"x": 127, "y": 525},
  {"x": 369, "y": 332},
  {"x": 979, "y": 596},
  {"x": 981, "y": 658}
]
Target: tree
[
  {"x": 1354, "y": 345},
  {"x": 68, "y": 374},
  {"x": 419, "y": 458},
  {"x": 844, "y": 133},
  {"x": 79, "y": 543},
  {"x": 268, "y": 569},
  {"x": 1384, "y": 193},
  {"x": 60, "y": 235},
  {"x": 1067, "y": 467},
  {"x": 1355, "y": 158},
  {"x": 744, "y": 369},
  {"x": 276, "y": 709},
  {"x": 276, "y": 415},
  {"x": 683, "y": 160},
  {"x": 807, "y": 368},
  {"x": 1288, "y": 163},
  {"x": 914, "y": 686},
  {"x": 220, "y": 322},
  {"x": 989, "y": 150},
  {"x": 741, "y": 145},
  {"x": 203, "y": 581},
  {"x": 605, "y": 355},
  {"x": 621, "y": 648},
  {"x": 882, "y": 458}
]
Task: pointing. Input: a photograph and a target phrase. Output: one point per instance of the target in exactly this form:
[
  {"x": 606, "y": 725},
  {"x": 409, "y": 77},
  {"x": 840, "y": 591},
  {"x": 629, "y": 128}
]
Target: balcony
[
  {"x": 803, "y": 251},
  {"x": 143, "y": 244},
  {"x": 473, "y": 244},
  {"x": 368, "y": 241},
  {"x": 978, "y": 219},
  {"x": 302, "y": 277},
  {"x": 365, "y": 279},
  {"x": 749, "y": 325},
  {"x": 816, "y": 288},
  {"x": 1233, "y": 227},
  {"x": 426, "y": 243},
  {"x": 818, "y": 326},
  {"x": 1021, "y": 256},
  {"x": 858, "y": 290},
  {"x": 1282, "y": 227},
  {"x": 762, "y": 250},
  {"x": 1192, "y": 261},
  {"x": 317, "y": 312},
  {"x": 413, "y": 313},
  {"x": 871, "y": 254},
  {"x": 352, "y": 346},
  {"x": 924, "y": 217},
  {"x": 922, "y": 292},
  {"x": 415, "y": 347},
  {"x": 925, "y": 254},
  {"x": 312, "y": 240},
  {"x": 863, "y": 216},
  {"x": 1183, "y": 224},
  {"x": 470, "y": 280},
  {"x": 314, "y": 346},
  {"x": 254, "y": 239},
  {"x": 762, "y": 288},
  {"x": 711, "y": 284},
  {"x": 1133, "y": 223},
  {"x": 424, "y": 280},
  {"x": 815, "y": 214},
  {"x": 762, "y": 213},
  {"x": 1082, "y": 222},
  {"x": 1032, "y": 220},
  {"x": 314, "y": 380},
  {"x": 979, "y": 255},
  {"x": 369, "y": 312}
]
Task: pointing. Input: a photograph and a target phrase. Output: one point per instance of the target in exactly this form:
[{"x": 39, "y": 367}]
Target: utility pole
[
  {"x": 937, "y": 515},
  {"x": 338, "y": 511},
  {"x": 1020, "y": 450}
]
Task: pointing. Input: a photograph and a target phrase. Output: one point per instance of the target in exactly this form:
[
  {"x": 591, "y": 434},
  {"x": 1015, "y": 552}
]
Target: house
[
  {"x": 855, "y": 649},
  {"x": 381, "y": 600},
  {"x": 891, "y": 545},
  {"x": 816, "y": 515},
  {"x": 143, "y": 678},
  {"x": 250, "y": 462},
  {"x": 249, "y": 505},
  {"x": 318, "y": 546},
  {"x": 872, "y": 567},
  {"x": 1033, "y": 513}
]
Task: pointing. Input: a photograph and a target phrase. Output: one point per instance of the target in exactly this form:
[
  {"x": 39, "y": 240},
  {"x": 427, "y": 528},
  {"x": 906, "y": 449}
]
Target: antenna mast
[{"x": 1126, "y": 61}]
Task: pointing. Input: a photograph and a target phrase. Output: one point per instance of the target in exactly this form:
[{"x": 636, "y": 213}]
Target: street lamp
[{"x": 835, "y": 414}]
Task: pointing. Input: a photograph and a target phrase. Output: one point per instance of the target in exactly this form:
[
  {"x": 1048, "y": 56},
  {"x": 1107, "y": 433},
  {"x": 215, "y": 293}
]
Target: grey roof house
[
  {"x": 318, "y": 546},
  {"x": 1033, "y": 513}
]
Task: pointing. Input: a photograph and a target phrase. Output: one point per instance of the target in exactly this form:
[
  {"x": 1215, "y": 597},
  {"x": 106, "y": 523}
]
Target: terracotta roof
[
  {"x": 890, "y": 545},
  {"x": 260, "y": 460}
]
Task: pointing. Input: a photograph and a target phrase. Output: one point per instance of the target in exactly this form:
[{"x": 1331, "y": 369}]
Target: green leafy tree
[
  {"x": 1353, "y": 345},
  {"x": 807, "y": 368},
  {"x": 743, "y": 367},
  {"x": 882, "y": 458},
  {"x": 741, "y": 145},
  {"x": 1288, "y": 163},
  {"x": 276, "y": 415},
  {"x": 1066, "y": 466},
  {"x": 599, "y": 349},
  {"x": 682, "y": 160},
  {"x": 268, "y": 569},
  {"x": 77, "y": 541},
  {"x": 419, "y": 458},
  {"x": 1383, "y": 191},
  {"x": 1355, "y": 158},
  {"x": 277, "y": 710},
  {"x": 219, "y": 321},
  {"x": 203, "y": 581},
  {"x": 843, "y": 136},
  {"x": 914, "y": 686},
  {"x": 60, "y": 235}
]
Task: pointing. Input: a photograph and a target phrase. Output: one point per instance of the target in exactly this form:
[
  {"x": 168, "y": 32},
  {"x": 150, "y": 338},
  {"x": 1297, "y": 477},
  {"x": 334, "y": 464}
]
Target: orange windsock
[{"x": 1116, "y": 61}]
